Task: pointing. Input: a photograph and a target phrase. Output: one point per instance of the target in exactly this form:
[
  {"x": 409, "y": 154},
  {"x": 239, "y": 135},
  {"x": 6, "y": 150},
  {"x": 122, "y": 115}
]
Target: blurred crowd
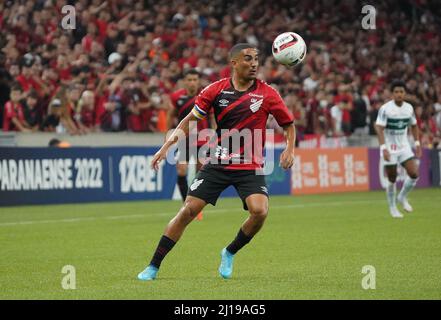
[{"x": 115, "y": 70}]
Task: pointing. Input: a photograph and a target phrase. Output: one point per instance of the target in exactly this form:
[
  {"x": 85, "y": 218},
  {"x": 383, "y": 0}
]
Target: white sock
[
  {"x": 408, "y": 185},
  {"x": 390, "y": 192}
]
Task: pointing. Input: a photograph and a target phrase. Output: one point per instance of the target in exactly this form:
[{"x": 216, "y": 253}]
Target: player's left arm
[
  {"x": 416, "y": 138},
  {"x": 287, "y": 156},
  {"x": 285, "y": 119}
]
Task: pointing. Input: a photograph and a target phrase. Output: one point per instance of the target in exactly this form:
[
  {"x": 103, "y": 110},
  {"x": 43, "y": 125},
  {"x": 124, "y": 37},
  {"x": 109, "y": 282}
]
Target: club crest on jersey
[
  {"x": 223, "y": 103},
  {"x": 255, "y": 105},
  {"x": 196, "y": 184}
]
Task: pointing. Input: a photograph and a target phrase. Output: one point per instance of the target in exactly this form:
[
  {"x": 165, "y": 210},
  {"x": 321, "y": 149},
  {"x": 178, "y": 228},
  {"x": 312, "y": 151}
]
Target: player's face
[
  {"x": 191, "y": 82},
  {"x": 398, "y": 94},
  {"x": 246, "y": 64}
]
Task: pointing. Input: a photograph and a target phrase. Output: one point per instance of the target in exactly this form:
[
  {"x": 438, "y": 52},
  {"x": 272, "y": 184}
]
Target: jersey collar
[{"x": 241, "y": 93}]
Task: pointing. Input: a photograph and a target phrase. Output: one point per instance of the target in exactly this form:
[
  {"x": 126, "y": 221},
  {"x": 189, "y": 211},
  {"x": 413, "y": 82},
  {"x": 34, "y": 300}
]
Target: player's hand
[
  {"x": 386, "y": 155},
  {"x": 418, "y": 151},
  {"x": 157, "y": 158},
  {"x": 286, "y": 159}
]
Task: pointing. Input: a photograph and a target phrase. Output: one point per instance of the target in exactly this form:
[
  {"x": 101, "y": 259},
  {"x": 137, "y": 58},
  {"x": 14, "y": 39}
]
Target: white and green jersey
[{"x": 396, "y": 120}]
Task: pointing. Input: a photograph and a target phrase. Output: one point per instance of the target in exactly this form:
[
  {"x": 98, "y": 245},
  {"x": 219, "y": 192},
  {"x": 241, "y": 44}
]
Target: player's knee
[
  {"x": 413, "y": 175},
  {"x": 259, "y": 212},
  {"x": 185, "y": 213},
  {"x": 190, "y": 208}
]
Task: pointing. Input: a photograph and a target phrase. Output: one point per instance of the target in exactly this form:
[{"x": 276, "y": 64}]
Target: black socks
[
  {"x": 237, "y": 244},
  {"x": 164, "y": 246}
]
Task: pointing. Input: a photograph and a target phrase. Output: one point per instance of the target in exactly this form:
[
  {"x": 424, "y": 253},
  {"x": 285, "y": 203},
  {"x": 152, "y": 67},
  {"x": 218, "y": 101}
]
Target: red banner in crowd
[{"x": 330, "y": 170}]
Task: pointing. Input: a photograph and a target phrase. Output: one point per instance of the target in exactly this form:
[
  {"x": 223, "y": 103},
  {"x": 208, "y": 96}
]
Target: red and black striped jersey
[{"x": 243, "y": 111}]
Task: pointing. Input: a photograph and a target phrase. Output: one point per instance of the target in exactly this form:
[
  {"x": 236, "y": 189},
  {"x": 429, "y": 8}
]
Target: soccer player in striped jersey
[
  {"x": 240, "y": 104},
  {"x": 392, "y": 123}
]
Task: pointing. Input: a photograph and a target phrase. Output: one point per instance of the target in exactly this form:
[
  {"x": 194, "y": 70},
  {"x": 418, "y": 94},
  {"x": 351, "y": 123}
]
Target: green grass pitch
[{"x": 311, "y": 247}]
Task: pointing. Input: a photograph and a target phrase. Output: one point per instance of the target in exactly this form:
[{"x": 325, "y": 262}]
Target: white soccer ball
[{"x": 289, "y": 49}]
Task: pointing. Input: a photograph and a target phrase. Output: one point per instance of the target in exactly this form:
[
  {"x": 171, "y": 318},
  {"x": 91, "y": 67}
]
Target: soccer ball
[{"x": 289, "y": 49}]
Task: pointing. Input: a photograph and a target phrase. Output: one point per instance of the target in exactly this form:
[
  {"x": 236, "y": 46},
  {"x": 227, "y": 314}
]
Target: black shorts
[{"x": 210, "y": 181}]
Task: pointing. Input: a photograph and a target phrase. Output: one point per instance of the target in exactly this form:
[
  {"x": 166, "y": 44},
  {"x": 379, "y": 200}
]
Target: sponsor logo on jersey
[
  {"x": 255, "y": 95},
  {"x": 227, "y": 92},
  {"x": 255, "y": 106},
  {"x": 397, "y": 124}
]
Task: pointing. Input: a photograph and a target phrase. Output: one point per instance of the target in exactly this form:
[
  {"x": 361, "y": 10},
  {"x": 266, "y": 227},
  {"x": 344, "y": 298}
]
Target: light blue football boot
[
  {"x": 226, "y": 266},
  {"x": 149, "y": 273}
]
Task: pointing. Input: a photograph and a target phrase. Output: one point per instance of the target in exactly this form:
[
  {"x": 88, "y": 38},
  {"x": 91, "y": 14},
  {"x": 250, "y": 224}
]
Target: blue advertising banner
[
  {"x": 75, "y": 175},
  {"x": 71, "y": 175}
]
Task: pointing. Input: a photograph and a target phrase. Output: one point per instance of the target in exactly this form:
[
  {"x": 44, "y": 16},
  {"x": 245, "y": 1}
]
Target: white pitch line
[{"x": 122, "y": 217}]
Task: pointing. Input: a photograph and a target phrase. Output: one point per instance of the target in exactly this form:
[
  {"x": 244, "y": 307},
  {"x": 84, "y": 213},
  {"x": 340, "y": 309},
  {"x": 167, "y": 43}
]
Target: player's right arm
[
  {"x": 181, "y": 131},
  {"x": 380, "y": 125},
  {"x": 200, "y": 110},
  {"x": 212, "y": 120}
]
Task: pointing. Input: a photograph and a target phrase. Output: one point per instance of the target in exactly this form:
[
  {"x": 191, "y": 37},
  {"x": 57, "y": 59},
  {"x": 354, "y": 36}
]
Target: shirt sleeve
[
  {"x": 381, "y": 117},
  {"x": 203, "y": 102},
  {"x": 278, "y": 108}
]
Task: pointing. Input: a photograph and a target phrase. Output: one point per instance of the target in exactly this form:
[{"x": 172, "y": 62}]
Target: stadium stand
[{"x": 112, "y": 72}]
